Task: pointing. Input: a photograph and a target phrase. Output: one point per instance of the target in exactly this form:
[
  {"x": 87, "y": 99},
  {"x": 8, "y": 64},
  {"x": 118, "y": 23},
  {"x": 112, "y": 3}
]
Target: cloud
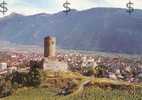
[{"x": 119, "y": 3}]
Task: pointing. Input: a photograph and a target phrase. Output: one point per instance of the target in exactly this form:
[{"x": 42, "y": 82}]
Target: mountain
[{"x": 101, "y": 29}]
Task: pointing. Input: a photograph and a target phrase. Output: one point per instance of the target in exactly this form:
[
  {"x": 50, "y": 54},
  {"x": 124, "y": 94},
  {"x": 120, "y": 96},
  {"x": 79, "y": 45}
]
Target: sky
[{"x": 29, "y": 7}]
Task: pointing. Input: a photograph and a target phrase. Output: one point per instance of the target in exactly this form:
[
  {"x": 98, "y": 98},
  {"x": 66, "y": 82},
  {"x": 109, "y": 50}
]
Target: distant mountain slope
[{"x": 103, "y": 29}]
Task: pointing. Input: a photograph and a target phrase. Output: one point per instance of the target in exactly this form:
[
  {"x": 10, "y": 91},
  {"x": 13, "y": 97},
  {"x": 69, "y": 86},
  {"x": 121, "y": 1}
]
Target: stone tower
[
  {"x": 49, "y": 47},
  {"x": 50, "y": 62}
]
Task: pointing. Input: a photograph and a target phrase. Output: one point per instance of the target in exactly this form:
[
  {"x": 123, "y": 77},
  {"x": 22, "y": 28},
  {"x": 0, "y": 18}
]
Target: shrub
[
  {"x": 19, "y": 79},
  {"x": 88, "y": 71}
]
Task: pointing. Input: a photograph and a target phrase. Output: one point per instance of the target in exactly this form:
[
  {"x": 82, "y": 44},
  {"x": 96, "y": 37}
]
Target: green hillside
[
  {"x": 87, "y": 88},
  {"x": 90, "y": 93}
]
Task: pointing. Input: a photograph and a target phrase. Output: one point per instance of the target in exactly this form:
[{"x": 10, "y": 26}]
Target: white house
[{"x": 3, "y": 66}]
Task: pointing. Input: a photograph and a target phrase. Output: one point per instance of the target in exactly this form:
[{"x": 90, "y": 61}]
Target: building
[
  {"x": 50, "y": 62},
  {"x": 49, "y": 47},
  {"x": 3, "y": 66}
]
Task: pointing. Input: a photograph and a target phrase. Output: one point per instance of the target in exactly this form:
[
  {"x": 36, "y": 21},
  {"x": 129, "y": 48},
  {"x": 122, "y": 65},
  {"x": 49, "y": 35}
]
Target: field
[{"x": 87, "y": 89}]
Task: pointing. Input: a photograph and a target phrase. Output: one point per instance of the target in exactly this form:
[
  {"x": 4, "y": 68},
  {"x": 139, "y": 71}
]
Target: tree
[
  {"x": 100, "y": 70},
  {"x": 5, "y": 87},
  {"x": 34, "y": 74}
]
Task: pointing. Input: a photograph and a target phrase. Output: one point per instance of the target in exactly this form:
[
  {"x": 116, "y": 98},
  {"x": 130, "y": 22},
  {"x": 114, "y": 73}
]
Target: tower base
[{"x": 54, "y": 65}]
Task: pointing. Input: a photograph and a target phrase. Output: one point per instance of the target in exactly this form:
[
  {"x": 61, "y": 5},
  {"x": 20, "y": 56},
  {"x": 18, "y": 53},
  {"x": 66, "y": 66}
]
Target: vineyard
[
  {"x": 81, "y": 88},
  {"x": 90, "y": 93}
]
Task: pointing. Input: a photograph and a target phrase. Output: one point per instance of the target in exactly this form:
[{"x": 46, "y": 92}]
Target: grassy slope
[
  {"x": 88, "y": 93},
  {"x": 91, "y": 93}
]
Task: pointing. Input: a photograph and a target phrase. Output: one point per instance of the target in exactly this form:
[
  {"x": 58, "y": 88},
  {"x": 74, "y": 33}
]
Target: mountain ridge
[{"x": 102, "y": 29}]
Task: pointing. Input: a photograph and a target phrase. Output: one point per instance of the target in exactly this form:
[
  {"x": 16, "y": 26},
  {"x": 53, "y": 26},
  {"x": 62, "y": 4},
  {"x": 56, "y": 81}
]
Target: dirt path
[{"x": 81, "y": 87}]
